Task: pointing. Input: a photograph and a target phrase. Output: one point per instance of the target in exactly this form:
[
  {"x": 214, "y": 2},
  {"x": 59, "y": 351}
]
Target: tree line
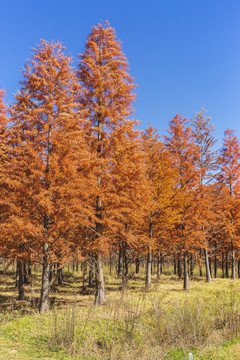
[{"x": 79, "y": 182}]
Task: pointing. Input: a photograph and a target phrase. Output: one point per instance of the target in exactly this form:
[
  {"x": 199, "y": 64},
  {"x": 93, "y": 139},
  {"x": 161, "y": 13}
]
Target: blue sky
[{"x": 183, "y": 54}]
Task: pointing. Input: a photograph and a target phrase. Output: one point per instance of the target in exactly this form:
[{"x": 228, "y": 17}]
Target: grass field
[{"x": 164, "y": 323}]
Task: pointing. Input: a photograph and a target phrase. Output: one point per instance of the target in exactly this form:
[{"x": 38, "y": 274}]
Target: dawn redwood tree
[
  {"x": 50, "y": 162},
  {"x": 160, "y": 175},
  {"x": 127, "y": 198},
  {"x": 107, "y": 100},
  {"x": 229, "y": 177},
  {"x": 205, "y": 159},
  {"x": 181, "y": 148},
  {"x": 3, "y": 160}
]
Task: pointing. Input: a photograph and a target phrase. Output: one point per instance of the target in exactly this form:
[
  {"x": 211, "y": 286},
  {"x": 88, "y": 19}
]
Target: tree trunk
[
  {"x": 179, "y": 265},
  {"x": 29, "y": 269},
  {"x": 161, "y": 263},
  {"x": 174, "y": 264},
  {"x": 207, "y": 265},
  {"x": 200, "y": 263},
  {"x": 191, "y": 265},
  {"x": 59, "y": 274},
  {"x": 20, "y": 279},
  {"x": 186, "y": 284},
  {"x": 226, "y": 265},
  {"x": 25, "y": 278},
  {"x": 137, "y": 265},
  {"x": 223, "y": 275},
  {"x": 158, "y": 265},
  {"x": 100, "y": 298},
  {"x": 90, "y": 276},
  {"x": 149, "y": 258},
  {"x": 45, "y": 288},
  {"x": 124, "y": 264},
  {"x": 17, "y": 275},
  {"x": 119, "y": 270},
  {"x": 233, "y": 275},
  {"x": 149, "y": 270},
  {"x": 215, "y": 261},
  {"x": 110, "y": 264},
  {"x": 84, "y": 287}
]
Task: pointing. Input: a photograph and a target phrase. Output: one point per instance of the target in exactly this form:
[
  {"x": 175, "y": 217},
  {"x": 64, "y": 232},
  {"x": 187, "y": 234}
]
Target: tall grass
[{"x": 128, "y": 329}]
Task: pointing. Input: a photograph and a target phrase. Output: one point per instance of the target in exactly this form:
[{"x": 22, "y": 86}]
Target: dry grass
[{"x": 164, "y": 323}]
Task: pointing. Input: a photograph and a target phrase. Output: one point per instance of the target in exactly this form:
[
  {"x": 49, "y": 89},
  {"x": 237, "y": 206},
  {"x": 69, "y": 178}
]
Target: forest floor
[{"x": 163, "y": 323}]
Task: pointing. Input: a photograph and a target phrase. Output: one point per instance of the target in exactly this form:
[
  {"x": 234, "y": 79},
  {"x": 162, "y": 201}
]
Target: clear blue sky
[{"x": 183, "y": 54}]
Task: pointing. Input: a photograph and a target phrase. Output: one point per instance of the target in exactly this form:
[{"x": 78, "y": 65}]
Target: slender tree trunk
[
  {"x": 149, "y": 258},
  {"x": 137, "y": 265},
  {"x": 59, "y": 274},
  {"x": 179, "y": 265},
  {"x": 226, "y": 264},
  {"x": 158, "y": 265},
  {"x": 215, "y": 261},
  {"x": 90, "y": 276},
  {"x": 84, "y": 287},
  {"x": 215, "y": 266},
  {"x": 174, "y": 264},
  {"x": 45, "y": 288},
  {"x": 119, "y": 269},
  {"x": 200, "y": 263},
  {"x": 29, "y": 269},
  {"x": 207, "y": 265},
  {"x": 110, "y": 264},
  {"x": 186, "y": 284},
  {"x": 161, "y": 263},
  {"x": 191, "y": 265},
  {"x": 25, "y": 278},
  {"x": 233, "y": 275},
  {"x": 124, "y": 264},
  {"x": 17, "y": 275},
  {"x": 100, "y": 298},
  {"x": 148, "y": 269},
  {"x": 223, "y": 275},
  {"x": 20, "y": 279}
]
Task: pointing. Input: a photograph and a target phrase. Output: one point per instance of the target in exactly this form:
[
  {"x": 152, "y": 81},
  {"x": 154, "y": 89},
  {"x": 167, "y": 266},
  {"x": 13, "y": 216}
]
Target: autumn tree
[
  {"x": 229, "y": 176},
  {"x": 107, "y": 99},
  {"x": 50, "y": 160},
  {"x": 3, "y": 160},
  {"x": 205, "y": 159},
  {"x": 128, "y": 194},
  {"x": 181, "y": 147},
  {"x": 160, "y": 175}
]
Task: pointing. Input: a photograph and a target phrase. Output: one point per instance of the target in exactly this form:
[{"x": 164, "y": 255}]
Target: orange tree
[
  {"x": 229, "y": 176},
  {"x": 181, "y": 148},
  {"x": 107, "y": 100},
  {"x": 205, "y": 159},
  {"x": 48, "y": 186}
]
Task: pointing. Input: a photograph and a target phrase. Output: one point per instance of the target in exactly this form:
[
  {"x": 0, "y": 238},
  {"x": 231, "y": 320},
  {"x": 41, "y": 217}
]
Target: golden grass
[{"x": 164, "y": 323}]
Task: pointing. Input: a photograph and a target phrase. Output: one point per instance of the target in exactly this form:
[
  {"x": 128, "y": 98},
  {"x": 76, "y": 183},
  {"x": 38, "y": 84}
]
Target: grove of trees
[{"x": 80, "y": 183}]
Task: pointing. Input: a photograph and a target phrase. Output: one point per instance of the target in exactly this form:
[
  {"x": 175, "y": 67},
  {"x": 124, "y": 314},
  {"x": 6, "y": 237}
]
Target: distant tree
[
  {"x": 160, "y": 176},
  {"x": 229, "y": 177},
  {"x": 205, "y": 159},
  {"x": 181, "y": 147}
]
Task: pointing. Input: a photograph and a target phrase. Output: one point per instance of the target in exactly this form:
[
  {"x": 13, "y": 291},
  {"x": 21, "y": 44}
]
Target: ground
[{"x": 163, "y": 323}]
